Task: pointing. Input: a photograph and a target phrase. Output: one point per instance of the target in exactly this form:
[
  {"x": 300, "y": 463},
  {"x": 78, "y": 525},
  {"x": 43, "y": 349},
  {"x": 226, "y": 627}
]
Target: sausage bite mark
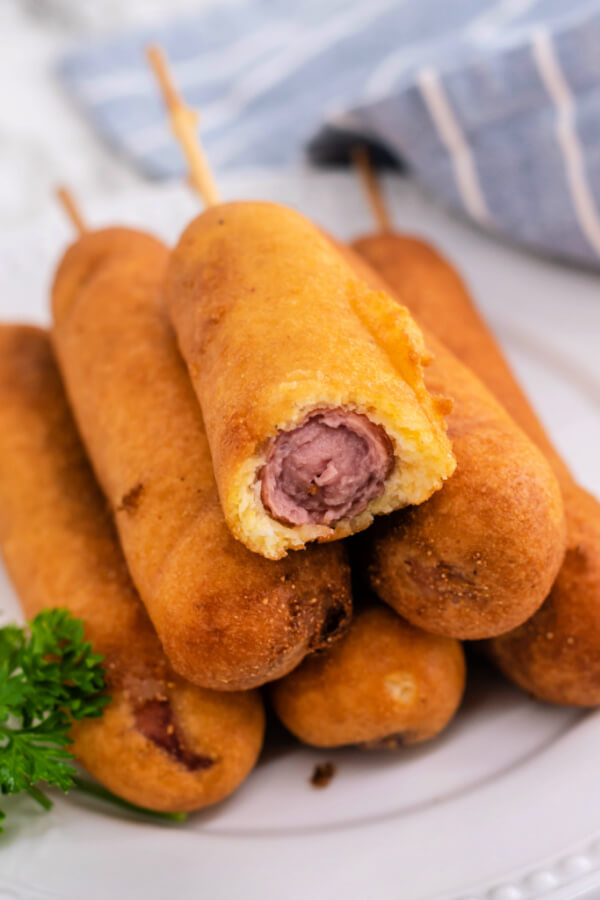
[{"x": 329, "y": 467}]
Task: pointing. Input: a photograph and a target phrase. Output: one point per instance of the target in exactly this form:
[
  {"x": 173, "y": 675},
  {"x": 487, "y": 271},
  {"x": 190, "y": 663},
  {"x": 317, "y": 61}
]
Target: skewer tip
[
  {"x": 372, "y": 186},
  {"x": 184, "y": 125},
  {"x": 69, "y": 205},
  {"x": 160, "y": 66}
]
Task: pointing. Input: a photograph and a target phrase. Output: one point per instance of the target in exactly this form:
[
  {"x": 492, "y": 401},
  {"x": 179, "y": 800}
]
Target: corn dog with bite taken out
[
  {"x": 227, "y": 618},
  {"x": 555, "y": 655},
  {"x": 161, "y": 743},
  {"x": 313, "y": 429},
  {"x": 384, "y": 684}
]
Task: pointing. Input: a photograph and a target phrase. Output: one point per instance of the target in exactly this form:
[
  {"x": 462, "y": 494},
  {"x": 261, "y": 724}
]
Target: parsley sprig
[{"x": 49, "y": 677}]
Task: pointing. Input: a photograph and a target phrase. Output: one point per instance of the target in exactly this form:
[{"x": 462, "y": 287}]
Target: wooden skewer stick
[
  {"x": 184, "y": 125},
  {"x": 372, "y": 186},
  {"x": 68, "y": 203}
]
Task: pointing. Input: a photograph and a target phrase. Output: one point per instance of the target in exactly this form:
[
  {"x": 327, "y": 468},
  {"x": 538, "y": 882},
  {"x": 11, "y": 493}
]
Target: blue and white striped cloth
[{"x": 493, "y": 105}]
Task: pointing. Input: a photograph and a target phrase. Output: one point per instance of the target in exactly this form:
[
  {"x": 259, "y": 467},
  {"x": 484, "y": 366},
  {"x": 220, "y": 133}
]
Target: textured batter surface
[
  {"x": 481, "y": 555},
  {"x": 274, "y": 325},
  {"x": 384, "y": 684},
  {"x": 161, "y": 743},
  {"x": 555, "y": 655},
  {"x": 227, "y": 618}
]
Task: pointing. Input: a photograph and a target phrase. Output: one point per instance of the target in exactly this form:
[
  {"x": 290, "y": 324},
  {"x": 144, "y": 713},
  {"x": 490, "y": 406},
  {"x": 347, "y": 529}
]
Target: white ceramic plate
[{"x": 506, "y": 804}]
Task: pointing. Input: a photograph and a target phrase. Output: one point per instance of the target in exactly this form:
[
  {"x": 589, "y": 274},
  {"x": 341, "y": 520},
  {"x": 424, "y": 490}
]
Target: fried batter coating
[
  {"x": 384, "y": 684},
  {"x": 313, "y": 428},
  {"x": 161, "y": 743},
  {"x": 480, "y": 556},
  {"x": 227, "y": 618},
  {"x": 556, "y": 654}
]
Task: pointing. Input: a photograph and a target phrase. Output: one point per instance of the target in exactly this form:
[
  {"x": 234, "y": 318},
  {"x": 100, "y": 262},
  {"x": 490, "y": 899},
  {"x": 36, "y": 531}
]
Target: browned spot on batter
[
  {"x": 131, "y": 500},
  {"x": 155, "y": 721},
  {"x": 322, "y": 775},
  {"x": 390, "y": 742},
  {"x": 336, "y": 620},
  {"x": 441, "y": 579}
]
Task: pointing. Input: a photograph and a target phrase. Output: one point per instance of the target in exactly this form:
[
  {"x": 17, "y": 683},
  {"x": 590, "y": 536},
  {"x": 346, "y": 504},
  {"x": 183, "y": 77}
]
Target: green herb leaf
[{"x": 49, "y": 676}]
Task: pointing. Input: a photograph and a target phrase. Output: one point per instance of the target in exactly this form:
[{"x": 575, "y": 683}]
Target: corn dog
[
  {"x": 312, "y": 429},
  {"x": 384, "y": 684},
  {"x": 291, "y": 468},
  {"x": 555, "y": 655},
  {"x": 161, "y": 742},
  {"x": 480, "y": 556},
  {"x": 227, "y": 619}
]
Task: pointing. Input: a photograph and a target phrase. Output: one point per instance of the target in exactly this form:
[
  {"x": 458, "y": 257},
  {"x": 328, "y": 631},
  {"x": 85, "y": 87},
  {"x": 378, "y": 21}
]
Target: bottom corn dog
[
  {"x": 556, "y": 654},
  {"x": 161, "y": 743},
  {"x": 383, "y": 684}
]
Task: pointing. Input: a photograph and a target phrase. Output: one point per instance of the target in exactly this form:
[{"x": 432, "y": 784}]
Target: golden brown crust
[
  {"x": 555, "y": 655},
  {"x": 435, "y": 293},
  {"x": 227, "y": 618},
  {"x": 480, "y": 556},
  {"x": 273, "y": 325},
  {"x": 60, "y": 549},
  {"x": 385, "y": 683}
]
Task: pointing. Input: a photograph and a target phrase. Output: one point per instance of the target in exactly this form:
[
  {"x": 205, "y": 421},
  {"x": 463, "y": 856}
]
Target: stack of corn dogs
[{"x": 185, "y": 453}]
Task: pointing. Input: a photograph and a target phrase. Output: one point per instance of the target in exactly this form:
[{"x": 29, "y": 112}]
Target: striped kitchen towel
[{"x": 493, "y": 105}]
